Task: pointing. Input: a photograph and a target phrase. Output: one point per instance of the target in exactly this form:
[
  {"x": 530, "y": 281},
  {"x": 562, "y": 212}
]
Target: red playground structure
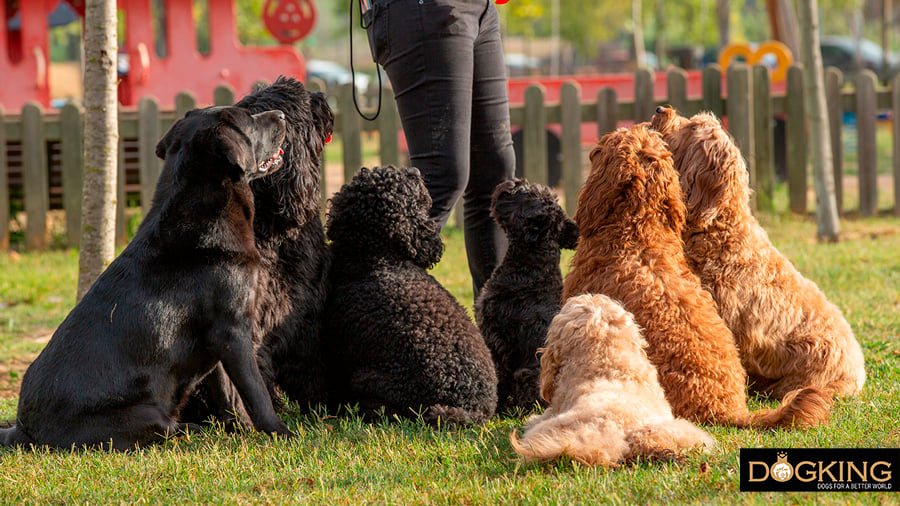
[{"x": 24, "y": 52}]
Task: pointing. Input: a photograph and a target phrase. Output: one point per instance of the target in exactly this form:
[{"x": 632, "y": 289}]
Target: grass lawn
[{"x": 342, "y": 460}]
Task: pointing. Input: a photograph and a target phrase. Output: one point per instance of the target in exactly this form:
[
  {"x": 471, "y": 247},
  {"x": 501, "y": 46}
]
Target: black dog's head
[
  {"x": 530, "y": 214},
  {"x": 383, "y": 211},
  {"x": 226, "y": 142},
  {"x": 292, "y": 195}
]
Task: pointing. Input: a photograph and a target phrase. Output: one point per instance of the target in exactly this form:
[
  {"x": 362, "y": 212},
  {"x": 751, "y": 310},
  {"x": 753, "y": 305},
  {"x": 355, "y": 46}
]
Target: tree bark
[
  {"x": 100, "y": 143},
  {"x": 817, "y": 116},
  {"x": 723, "y": 13},
  {"x": 637, "y": 33}
]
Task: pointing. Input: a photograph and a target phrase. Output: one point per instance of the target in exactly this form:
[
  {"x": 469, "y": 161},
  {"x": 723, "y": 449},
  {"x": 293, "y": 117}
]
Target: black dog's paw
[{"x": 281, "y": 432}]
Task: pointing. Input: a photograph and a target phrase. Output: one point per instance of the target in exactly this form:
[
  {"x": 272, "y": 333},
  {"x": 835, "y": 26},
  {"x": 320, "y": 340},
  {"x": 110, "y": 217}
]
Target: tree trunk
[
  {"x": 723, "y": 13},
  {"x": 101, "y": 140},
  {"x": 638, "y": 33},
  {"x": 660, "y": 33},
  {"x": 817, "y": 116}
]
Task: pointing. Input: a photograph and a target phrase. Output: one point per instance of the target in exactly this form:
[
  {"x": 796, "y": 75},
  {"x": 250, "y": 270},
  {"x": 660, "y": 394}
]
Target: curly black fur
[
  {"x": 523, "y": 294},
  {"x": 293, "y": 265},
  {"x": 394, "y": 337}
]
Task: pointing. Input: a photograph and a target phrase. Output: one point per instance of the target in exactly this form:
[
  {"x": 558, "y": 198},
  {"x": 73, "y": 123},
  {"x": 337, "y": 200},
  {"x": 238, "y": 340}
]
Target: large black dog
[
  {"x": 293, "y": 263},
  {"x": 395, "y": 338},
  {"x": 523, "y": 294},
  {"x": 177, "y": 304}
]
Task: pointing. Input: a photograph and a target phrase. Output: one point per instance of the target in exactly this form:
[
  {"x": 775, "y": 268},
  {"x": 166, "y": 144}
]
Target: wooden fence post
[
  {"x": 795, "y": 141},
  {"x": 72, "y": 146},
  {"x": 643, "y": 95},
  {"x": 607, "y": 104},
  {"x": 388, "y": 126},
  {"x": 740, "y": 116},
  {"x": 676, "y": 85},
  {"x": 895, "y": 118},
  {"x": 223, "y": 95},
  {"x": 34, "y": 177},
  {"x": 834, "y": 80},
  {"x": 866, "y": 116},
  {"x": 184, "y": 102},
  {"x": 4, "y": 187},
  {"x": 535, "y": 136},
  {"x": 121, "y": 197},
  {"x": 570, "y": 102},
  {"x": 148, "y": 137},
  {"x": 712, "y": 90},
  {"x": 763, "y": 136},
  {"x": 351, "y": 126}
]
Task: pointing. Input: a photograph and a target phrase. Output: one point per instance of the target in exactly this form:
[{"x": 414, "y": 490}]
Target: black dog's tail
[{"x": 13, "y": 436}]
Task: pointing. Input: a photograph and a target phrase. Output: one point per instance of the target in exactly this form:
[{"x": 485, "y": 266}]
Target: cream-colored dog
[{"x": 606, "y": 404}]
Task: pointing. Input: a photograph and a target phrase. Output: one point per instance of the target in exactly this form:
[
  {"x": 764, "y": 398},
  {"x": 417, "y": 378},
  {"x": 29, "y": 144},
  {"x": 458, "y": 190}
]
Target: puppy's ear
[
  {"x": 568, "y": 236},
  {"x": 549, "y": 371}
]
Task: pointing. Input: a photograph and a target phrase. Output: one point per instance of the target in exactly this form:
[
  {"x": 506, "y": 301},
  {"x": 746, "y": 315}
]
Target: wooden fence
[{"x": 42, "y": 162}]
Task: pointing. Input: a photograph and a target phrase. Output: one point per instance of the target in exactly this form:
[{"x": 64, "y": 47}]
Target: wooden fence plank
[
  {"x": 351, "y": 127},
  {"x": 72, "y": 154},
  {"x": 148, "y": 137},
  {"x": 895, "y": 118},
  {"x": 644, "y": 106},
  {"x": 795, "y": 132},
  {"x": 740, "y": 116},
  {"x": 570, "y": 99},
  {"x": 676, "y": 85},
  {"x": 4, "y": 187},
  {"x": 388, "y": 126},
  {"x": 184, "y": 102},
  {"x": 763, "y": 133},
  {"x": 121, "y": 197},
  {"x": 834, "y": 81},
  {"x": 223, "y": 95},
  {"x": 866, "y": 117},
  {"x": 535, "y": 136},
  {"x": 606, "y": 111},
  {"x": 35, "y": 184},
  {"x": 712, "y": 90}
]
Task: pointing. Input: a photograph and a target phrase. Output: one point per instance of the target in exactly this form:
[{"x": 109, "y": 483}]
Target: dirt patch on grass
[{"x": 11, "y": 372}]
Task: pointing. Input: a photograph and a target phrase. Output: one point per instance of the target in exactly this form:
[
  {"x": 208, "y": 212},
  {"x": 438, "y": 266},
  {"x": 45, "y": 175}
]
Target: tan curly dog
[
  {"x": 788, "y": 333},
  {"x": 630, "y": 214},
  {"x": 606, "y": 405}
]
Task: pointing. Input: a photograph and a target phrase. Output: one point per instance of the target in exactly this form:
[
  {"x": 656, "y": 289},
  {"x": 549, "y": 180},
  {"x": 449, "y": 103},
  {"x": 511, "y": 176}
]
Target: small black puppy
[
  {"x": 394, "y": 337},
  {"x": 175, "y": 306},
  {"x": 523, "y": 294}
]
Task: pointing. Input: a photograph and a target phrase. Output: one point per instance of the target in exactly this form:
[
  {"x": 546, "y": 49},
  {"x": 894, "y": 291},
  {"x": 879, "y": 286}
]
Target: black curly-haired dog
[
  {"x": 395, "y": 338},
  {"x": 293, "y": 265},
  {"x": 523, "y": 294}
]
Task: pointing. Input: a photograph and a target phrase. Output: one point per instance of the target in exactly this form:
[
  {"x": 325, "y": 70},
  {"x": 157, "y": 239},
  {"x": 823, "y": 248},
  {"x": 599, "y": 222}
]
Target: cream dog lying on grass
[{"x": 606, "y": 404}]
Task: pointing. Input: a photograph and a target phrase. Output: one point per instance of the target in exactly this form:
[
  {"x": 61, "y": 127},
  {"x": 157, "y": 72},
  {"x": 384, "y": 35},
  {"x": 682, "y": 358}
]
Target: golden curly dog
[
  {"x": 606, "y": 405},
  {"x": 630, "y": 215},
  {"x": 788, "y": 333}
]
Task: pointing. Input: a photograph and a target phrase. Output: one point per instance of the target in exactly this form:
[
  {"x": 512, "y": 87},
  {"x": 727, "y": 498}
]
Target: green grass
[{"x": 342, "y": 460}]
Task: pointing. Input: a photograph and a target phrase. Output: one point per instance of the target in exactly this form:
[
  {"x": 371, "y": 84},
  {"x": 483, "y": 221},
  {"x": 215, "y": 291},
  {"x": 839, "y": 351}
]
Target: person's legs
[
  {"x": 426, "y": 50},
  {"x": 492, "y": 155}
]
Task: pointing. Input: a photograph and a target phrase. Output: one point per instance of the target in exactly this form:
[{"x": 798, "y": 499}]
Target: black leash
[{"x": 353, "y": 71}]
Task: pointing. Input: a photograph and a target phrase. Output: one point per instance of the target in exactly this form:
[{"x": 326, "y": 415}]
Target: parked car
[
  {"x": 335, "y": 74},
  {"x": 840, "y": 52}
]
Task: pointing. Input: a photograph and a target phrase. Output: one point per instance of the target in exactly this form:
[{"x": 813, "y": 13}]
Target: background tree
[
  {"x": 101, "y": 138},
  {"x": 817, "y": 117}
]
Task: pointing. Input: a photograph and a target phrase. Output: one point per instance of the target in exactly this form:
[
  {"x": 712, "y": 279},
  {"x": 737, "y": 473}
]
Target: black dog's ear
[
  {"x": 162, "y": 147},
  {"x": 568, "y": 236}
]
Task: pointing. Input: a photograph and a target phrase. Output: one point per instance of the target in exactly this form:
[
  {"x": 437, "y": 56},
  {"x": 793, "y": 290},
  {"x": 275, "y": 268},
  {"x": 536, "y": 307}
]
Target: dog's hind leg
[{"x": 666, "y": 441}]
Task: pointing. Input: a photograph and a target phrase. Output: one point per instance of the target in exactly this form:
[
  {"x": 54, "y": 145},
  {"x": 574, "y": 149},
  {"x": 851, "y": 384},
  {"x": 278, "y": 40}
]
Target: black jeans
[{"x": 445, "y": 62}]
